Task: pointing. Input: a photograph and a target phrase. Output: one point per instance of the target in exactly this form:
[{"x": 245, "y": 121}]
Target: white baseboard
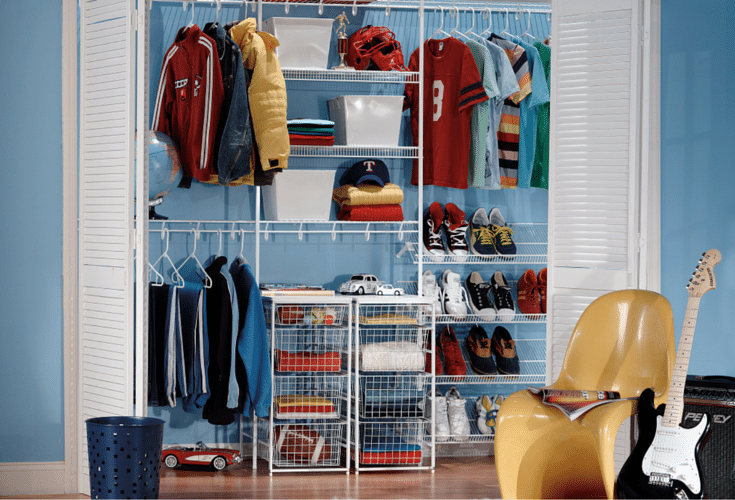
[{"x": 32, "y": 478}]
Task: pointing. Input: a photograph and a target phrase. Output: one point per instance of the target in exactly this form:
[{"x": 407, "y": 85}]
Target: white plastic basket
[
  {"x": 366, "y": 120},
  {"x": 299, "y": 195},
  {"x": 304, "y": 42}
]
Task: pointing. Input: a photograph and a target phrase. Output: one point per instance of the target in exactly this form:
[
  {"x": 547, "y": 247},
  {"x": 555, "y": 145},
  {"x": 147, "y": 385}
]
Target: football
[
  {"x": 301, "y": 444},
  {"x": 290, "y": 315}
]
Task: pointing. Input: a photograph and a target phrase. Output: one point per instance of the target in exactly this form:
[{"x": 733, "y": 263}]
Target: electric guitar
[{"x": 665, "y": 461}]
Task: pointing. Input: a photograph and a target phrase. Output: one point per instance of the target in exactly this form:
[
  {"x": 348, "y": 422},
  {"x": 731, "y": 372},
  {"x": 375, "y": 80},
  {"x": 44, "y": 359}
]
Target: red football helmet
[{"x": 374, "y": 48}]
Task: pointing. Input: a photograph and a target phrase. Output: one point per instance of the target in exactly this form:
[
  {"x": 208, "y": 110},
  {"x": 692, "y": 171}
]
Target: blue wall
[
  {"x": 31, "y": 367},
  {"x": 698, "y": 169}
]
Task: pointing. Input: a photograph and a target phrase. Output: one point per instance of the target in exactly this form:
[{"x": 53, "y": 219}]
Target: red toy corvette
[{"x": 201, "y": 454}]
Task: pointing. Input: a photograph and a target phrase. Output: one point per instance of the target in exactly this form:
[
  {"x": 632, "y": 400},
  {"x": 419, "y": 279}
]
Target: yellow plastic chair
[{"x": 624, "y": 341}]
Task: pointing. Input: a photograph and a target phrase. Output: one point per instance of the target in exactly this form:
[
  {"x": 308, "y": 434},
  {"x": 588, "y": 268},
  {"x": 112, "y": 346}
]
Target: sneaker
[
  {"x": 504, "y": 348},
  {"x": 542, "y": 288},
  {"x": 433, "y": 243},
  {"x": 455, "y": 227},
  {"x": 486, "y": 423},
  {"x": 453, "y": 360},
  {"x": 502, "y": 240},
  {"x": 482, "y": 405},
  {"x": 454, "y": 297},
  {"x": 479, "y": 296},
  {"x": 503, "y": 297},
  {"x": 528, "y": 294},
  {"x": 481, "y": 356},
  {"x": 441, "y": 422},
  {"x": 430, "y": 289},
  {"x": 459, "y": 423},
  {"x": 481, "y": 239}
]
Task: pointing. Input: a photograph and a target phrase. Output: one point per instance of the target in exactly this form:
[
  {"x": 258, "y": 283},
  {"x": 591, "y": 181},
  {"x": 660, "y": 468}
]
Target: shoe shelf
[
  {"x": 392, "y": 341},
  {"x": 310, "y": 341},
  {"x": 531, "y": 357},
  {"x": 531, "y": 241},
  {"x": 355, "y": 151},
  {"x": 463, "y": 445},
  {"x": 335, "y": 228},
  {"x": 331, "y": 75}
]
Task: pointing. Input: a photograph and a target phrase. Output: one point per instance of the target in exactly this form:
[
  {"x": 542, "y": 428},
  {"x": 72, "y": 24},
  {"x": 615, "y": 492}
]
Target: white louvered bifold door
[
  {"x": 594, "y": 192},
  {"x": 106, "y": 203}
]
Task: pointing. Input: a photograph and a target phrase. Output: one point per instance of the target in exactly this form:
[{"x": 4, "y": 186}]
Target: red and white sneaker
[{"x": 529, "y": 297}]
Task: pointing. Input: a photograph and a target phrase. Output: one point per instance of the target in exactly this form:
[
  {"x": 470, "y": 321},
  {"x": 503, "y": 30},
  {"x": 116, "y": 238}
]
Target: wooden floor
[{"x": 455, "y": 478}]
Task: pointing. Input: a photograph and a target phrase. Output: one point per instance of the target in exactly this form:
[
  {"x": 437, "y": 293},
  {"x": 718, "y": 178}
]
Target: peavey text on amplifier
[{"x": 714, "y": 395}]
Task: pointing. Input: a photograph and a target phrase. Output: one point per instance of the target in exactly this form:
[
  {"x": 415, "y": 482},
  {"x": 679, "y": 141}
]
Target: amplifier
[{"x": 716, "y": 396}]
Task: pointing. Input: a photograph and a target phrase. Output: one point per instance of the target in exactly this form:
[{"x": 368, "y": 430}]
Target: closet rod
[{"x": 478, "y": 6}]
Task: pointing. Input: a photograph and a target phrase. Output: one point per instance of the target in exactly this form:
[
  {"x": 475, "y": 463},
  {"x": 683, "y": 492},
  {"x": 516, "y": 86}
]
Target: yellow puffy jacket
[{"x": 267, "y": 94}]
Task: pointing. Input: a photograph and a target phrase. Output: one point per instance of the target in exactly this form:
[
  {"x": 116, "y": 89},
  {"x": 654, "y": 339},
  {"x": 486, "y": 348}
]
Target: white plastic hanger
[
  {"x": 175, "y": 276},
  {"x": 440, "y": 31},
  {"x": 489, "y": 29},
  {"x": 219, "y": 6},
  {"x": 505, "y": 31},
  {"x": 241, "y": 257},
  {"x": 456, "y": 31},
  {"x": 193, "y": 255},
  {"x": 191, "y": 23},
  {"x": 528, "y": 28}
]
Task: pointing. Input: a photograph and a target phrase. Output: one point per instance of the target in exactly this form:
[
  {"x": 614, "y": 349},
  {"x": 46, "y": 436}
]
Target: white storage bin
[
  {"x": 304, "y": 41},
  {"x": 366, "y": 120},
  {"x": 299, "y": 195}
]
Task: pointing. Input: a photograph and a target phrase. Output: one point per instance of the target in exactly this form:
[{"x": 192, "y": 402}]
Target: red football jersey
[
  {"x": 189, "y": 99},
  {"x": 452, "y": 87}
]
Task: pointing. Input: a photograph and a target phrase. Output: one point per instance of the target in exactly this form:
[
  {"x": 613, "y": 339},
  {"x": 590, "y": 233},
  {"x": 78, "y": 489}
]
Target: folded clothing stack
[
  {"x": 377, "y": 449},
  {"x": 310, "y": 132},
  {"x": 365, "y": 193}
]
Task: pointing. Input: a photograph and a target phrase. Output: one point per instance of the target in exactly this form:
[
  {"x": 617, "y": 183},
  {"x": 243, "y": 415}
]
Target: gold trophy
[{"x": 342, "y": 42}]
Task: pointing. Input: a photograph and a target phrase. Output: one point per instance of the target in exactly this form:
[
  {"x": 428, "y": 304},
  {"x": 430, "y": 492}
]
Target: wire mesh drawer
[
  {"x": 391, "y": 443},
  {"x": 308, "y": 445},
  {"x": 393, "y": 396},
  {"x": 311, "y": 396}
]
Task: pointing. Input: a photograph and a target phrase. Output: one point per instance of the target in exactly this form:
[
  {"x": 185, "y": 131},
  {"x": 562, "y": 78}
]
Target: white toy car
[
  {"x": 360, "y": 284},
  {"x": 388, "y": 289}
]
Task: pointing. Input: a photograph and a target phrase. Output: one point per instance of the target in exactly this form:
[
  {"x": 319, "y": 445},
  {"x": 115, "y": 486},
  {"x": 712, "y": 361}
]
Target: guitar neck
[{"x": 675, "y": 401}]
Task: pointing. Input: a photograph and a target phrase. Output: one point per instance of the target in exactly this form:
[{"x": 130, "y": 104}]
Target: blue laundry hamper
[{"x": 124, "y": 456}]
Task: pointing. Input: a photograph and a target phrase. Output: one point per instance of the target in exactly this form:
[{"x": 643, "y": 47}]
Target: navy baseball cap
[{"x": 369, "y": 170}]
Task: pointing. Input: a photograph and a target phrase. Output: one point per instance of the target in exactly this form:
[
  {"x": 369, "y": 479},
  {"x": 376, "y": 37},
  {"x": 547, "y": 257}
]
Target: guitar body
[{"x": 665, "y": 460}]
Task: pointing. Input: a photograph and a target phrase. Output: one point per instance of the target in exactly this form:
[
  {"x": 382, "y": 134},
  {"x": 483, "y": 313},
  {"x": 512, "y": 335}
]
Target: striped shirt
[{"x": 509, "y": 129}]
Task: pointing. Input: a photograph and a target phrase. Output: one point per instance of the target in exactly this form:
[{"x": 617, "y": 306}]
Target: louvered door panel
[
  {"x": 594, "y": 188},
  {"x": 106, "y": 202}
]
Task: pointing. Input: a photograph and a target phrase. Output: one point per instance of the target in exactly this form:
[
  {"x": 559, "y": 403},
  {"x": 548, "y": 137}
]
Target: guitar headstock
[{"x": 703, "y": 279}]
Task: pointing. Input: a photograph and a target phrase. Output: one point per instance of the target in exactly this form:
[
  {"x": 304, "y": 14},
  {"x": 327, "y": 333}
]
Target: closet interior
[{"x": 233, "y": 229}]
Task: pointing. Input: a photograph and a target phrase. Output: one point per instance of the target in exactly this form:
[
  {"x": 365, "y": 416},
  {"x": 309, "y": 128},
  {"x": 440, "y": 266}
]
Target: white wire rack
[
  {"x": 311, "y": 349},
  {"x": 390, "y": 445},
  {"x": 532, "y": 360},
  {"x": 303, "y": 446},
  {"x": 411, "y": 287},
  {"x": 531, "y": 241},
  {"x": 476, "y": 443},
  {"x": 355, "y": 151},
  {"x": 327, "y": 75},
  {"x": 393, "y": 344}
]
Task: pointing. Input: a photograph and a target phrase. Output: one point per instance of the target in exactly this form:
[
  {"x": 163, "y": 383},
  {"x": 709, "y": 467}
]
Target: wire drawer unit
[
  {"x": 311, "y": 353},
  {"x": 393, "y": 346}
]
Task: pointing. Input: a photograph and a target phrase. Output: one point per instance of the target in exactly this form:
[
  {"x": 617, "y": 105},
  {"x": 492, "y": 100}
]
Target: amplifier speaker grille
[{"x": 715, "y": 396}]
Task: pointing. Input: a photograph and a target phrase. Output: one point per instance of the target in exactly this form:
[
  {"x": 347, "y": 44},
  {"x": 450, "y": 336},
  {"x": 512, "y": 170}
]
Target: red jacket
[{"x": 188, "y": 101}]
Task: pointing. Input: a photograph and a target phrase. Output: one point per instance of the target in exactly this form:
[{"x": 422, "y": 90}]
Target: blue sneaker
[
  {"x": 501, "y": 234},
  {"x": 481, "y": 237}
]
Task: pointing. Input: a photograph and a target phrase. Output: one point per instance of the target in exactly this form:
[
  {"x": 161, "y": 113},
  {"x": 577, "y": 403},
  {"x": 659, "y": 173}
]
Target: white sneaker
[
  {"x": 459, "y": 424},
  {"x": 430, "y": 289},
  {"x": 454, "y": 298},
  {"x": 442, "y": 420}
]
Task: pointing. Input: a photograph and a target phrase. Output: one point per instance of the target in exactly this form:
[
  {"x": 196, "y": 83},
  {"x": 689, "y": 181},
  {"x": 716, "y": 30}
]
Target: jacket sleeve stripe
[
  {"x": 208, "y": 101},
  {"x": 162, "y": 87}
]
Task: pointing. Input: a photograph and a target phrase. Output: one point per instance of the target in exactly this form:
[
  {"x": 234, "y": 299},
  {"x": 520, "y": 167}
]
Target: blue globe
[{"x": 164, "y": 165}]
